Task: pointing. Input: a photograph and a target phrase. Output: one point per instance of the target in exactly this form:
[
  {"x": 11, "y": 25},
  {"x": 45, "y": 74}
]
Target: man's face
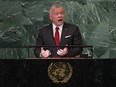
[{"x": 57, "y": 16}]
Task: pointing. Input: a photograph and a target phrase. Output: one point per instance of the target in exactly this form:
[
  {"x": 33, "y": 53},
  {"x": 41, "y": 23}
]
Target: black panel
[{"x": 34, "y": 73}]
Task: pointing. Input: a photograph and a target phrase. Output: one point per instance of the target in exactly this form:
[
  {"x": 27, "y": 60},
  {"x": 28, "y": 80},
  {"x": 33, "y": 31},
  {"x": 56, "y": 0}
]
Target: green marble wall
[{"x": 21, "y": 19}]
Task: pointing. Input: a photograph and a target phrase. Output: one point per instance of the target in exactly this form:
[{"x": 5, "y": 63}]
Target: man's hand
[
  {"x": 44, "y": 53},
  {"x": 62, "y": 52}
]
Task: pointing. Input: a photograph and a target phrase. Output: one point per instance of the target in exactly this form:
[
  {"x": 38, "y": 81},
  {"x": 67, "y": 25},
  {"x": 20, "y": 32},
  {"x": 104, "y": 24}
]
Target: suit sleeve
[{"x": 37, "y": 50}]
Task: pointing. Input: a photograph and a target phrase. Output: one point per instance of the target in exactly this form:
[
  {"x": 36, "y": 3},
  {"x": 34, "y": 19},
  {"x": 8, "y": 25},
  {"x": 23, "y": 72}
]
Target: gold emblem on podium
[{"x": 60, "y": 72}]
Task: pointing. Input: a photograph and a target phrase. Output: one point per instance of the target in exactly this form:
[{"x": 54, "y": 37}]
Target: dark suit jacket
[{"x": 70, "y": 36}]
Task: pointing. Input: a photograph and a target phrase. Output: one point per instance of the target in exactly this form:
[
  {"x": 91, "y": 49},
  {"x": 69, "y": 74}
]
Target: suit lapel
[
  {"x": 50, "y": 33},
  {"x": 64, "y": 32}
]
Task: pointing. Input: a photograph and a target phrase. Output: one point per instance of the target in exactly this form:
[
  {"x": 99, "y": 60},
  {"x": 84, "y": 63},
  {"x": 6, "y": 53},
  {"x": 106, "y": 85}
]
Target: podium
[{"x": 34, "y": 73}]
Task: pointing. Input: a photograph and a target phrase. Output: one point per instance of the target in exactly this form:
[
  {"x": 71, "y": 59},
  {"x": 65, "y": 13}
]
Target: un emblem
[{"x": 60, "y": 72}]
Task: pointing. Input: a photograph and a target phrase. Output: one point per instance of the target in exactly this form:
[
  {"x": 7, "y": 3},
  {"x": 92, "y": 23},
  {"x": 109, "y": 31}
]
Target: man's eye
[
  {"x": 56, "y": 13},
  {"x": 62, "y": 13}
]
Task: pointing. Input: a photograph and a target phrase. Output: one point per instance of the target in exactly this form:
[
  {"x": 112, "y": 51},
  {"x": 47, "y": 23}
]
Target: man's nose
[{"x": 59, "y": 15}]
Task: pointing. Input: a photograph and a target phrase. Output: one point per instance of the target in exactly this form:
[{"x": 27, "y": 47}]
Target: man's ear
[{"x": 50, "y": 16}]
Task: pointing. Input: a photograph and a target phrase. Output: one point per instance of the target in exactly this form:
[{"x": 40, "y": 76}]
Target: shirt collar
[{"x": 54, "y": 26}]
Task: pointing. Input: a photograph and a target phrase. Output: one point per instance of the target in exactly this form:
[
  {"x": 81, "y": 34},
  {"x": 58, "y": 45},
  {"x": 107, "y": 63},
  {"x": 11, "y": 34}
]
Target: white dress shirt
[{"x": 54, "y": 29}]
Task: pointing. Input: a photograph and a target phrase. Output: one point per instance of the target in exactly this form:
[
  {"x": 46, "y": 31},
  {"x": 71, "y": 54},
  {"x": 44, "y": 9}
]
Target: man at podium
[{"x": 58, "y": 33}]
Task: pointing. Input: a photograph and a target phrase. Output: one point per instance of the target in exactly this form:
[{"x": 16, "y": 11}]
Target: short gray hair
[{"x": 55, "y": 6}]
